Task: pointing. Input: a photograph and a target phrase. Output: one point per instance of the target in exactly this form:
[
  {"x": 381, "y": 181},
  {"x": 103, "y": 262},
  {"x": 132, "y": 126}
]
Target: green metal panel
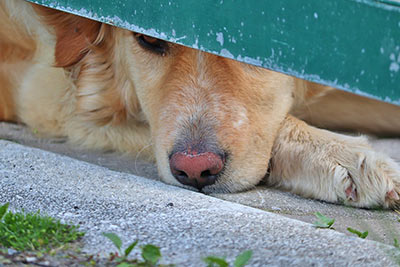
[{"x": 349, "y": 44}]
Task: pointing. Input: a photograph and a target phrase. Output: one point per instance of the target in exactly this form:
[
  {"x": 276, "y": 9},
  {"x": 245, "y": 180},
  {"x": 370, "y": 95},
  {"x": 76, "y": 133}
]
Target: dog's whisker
[{"x": 138, "y": 154}]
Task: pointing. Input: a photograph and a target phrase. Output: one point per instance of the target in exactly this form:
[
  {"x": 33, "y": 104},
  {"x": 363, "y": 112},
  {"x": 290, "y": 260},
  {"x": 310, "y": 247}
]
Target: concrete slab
[
  {"x": 193, "y": 226},
  {"x": 383, "y": 226}
]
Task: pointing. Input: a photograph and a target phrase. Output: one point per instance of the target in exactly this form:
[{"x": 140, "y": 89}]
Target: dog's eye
[{"x": 152, "y": 44}]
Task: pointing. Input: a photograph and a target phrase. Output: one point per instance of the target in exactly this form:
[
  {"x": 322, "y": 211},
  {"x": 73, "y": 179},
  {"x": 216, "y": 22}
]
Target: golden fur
[{"x": 64, "y": 75}]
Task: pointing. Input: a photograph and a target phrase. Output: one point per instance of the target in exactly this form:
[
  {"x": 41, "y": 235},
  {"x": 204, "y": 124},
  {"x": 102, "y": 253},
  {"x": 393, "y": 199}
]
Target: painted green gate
[{"x": 348, "y": 44}]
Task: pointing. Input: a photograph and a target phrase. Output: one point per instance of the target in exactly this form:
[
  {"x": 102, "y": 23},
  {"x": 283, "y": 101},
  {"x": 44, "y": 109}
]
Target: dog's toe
[{"x": 372, "y": 180}]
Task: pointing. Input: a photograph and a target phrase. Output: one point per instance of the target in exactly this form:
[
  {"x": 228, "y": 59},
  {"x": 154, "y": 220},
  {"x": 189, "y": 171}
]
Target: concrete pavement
[{"x": 186, "y": 225}]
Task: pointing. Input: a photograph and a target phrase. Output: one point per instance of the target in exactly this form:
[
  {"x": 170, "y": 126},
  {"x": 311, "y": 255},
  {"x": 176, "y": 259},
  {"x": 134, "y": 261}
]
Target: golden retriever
[{"x": 212, "y": 124}]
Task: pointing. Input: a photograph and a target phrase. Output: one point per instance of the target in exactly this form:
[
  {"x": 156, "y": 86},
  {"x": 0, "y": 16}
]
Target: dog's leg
[
  {"x": 17, "y": 48},
  {"x": 332, "y": 167},
  {"x": 6, "y": 99},
  {"x": 334, "y": 109}
]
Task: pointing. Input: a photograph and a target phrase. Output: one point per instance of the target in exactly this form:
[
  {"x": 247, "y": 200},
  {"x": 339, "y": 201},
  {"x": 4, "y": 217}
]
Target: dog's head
[{"x": 213, "y": 120}]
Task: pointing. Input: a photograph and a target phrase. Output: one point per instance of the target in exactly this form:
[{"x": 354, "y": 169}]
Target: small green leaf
[
  {"x": 396, "y": 243},
  {"x": 243, "y": 258},
  {"x": 3, "y": 210},
  {"x": 125, "y": 264},
  {"x": 215, "y": 261},
  {"x": 115, "y": 239},
  {"x": 151, "y": 254},
  {"x": 129, "y": 249},
  {"x": 354, "y": 231},
  {"x": 323, "y": 221},
  {"x": 358, "y": 233},
  {"x": 320, "y": 225},
  {"x": 364, "y": 235}
]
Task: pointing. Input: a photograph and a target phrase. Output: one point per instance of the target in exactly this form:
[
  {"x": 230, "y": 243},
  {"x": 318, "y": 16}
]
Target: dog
[{"x": 212, "y": 124}]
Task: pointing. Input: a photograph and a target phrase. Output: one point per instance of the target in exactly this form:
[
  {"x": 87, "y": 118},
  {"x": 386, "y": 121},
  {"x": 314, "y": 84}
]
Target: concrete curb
[{"x": 186, "y": 225}]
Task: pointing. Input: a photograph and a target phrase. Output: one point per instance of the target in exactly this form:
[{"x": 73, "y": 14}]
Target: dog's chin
[
  {"x": 217, "y": 188},
  {"x": 231, "y": 181},
  {"x": 229, "y": 186},
  {"x": 222, "y": 186}
]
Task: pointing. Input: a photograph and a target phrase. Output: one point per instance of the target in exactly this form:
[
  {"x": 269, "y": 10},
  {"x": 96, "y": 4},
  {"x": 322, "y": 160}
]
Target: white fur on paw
[{"x": 367, "y": 179}]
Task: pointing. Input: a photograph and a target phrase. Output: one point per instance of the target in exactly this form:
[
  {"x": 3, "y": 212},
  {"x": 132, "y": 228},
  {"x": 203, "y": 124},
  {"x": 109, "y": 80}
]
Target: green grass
[
  {"x": 360, "y": 234},
  {"x": 323, "y": 221},
  {"x": 151, "y": 255},
  {"x": 326, "y": 222},
  {"x": 240, "y": 261},
  {"x": 31, "y": 231},
  {"x": 43, "y": 235}
]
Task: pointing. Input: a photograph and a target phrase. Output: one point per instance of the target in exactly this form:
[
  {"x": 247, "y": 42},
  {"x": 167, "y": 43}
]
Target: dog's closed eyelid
[{"x": 152, "y": 44}]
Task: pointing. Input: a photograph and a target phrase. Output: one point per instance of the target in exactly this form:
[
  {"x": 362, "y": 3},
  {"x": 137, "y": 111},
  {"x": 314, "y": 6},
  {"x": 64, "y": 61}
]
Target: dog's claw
[
  {"x": 392, "y": 195},
  {"x": 351, "y": 192}
]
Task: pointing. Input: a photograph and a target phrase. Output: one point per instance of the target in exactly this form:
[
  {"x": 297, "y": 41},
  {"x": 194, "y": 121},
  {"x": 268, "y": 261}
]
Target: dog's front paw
[{"x": 365, "y": 178}]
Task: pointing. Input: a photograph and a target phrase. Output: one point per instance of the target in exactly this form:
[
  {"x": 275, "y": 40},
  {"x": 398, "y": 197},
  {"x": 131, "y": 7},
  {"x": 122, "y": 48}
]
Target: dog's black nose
[{"x": 197, "y": 170}]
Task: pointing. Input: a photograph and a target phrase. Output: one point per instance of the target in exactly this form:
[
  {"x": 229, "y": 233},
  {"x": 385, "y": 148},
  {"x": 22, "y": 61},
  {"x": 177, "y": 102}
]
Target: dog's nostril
[
  {"x": 206, "y": 174},
  {"x": 196, "y": 170},
  {"x": 181, "y": 174}
]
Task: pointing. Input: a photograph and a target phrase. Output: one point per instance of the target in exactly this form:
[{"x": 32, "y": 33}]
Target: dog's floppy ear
[{"x": 74, "y": 34}]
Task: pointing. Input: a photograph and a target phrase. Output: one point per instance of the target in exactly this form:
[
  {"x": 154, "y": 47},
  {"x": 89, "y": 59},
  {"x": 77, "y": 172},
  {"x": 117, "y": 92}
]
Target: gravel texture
[
  {"x": 186, "y": 225},
  {"x": 383, "y": 226}
]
